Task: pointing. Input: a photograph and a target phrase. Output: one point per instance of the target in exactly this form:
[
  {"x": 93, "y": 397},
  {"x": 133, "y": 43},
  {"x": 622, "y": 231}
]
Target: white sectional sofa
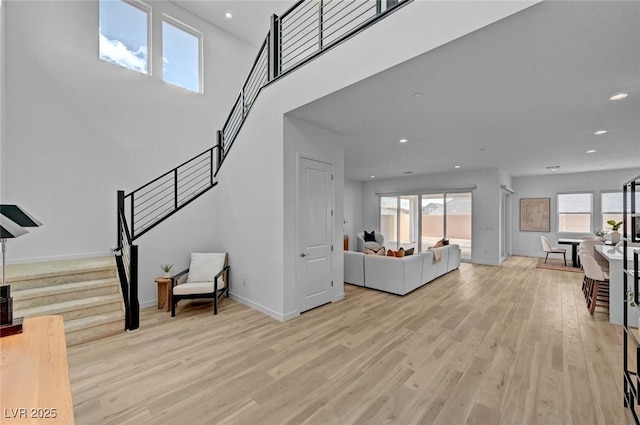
[{"x": 398, "y": 275}]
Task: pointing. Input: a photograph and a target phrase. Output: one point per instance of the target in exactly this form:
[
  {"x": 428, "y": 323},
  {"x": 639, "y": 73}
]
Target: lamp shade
[
  {"x": 19, "y": 216},
  {"x": 10, "y": 229}
]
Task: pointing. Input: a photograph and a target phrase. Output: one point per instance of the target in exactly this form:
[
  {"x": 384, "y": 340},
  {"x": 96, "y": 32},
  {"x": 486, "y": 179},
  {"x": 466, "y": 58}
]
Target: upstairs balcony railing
[{"x": 306, "y": 30}]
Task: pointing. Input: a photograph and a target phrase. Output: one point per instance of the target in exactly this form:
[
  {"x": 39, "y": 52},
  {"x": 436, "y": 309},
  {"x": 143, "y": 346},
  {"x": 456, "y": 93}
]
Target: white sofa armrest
[
  {"x": 395, "y": 275},
  {"x": 354, "y": 267}
]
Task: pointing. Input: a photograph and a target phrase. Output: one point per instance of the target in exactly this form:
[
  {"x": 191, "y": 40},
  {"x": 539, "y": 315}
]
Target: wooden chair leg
[
  {"x": 564, "y": 255},
  {"x": 173, "y": 306},
  {"x": 594, "y": 297},
  {"x": 545, "y": 258}
]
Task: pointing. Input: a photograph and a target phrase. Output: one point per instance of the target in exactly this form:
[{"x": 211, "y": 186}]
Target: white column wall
[{"x": 353, "y": 202}]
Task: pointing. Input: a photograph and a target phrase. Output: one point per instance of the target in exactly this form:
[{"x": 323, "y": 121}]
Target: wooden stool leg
[{"x": 593, "y": 296}]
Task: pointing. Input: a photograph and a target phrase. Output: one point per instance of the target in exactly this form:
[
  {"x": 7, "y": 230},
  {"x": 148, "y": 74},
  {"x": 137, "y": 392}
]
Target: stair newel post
[
  {"x": 274, "y": 48},
  {"x": 175, "y": 188},
  {"x": 133, "y": 223},
  {"x": 211, "y": 170},
  {"x": 134, "y": 304},
  {"x": 119, "y": 214},
  {"x": 220, "y": 152}
]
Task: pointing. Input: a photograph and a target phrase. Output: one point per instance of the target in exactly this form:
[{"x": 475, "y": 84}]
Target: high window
[
  {"x": 574, "y": 212},
  {"x": 181, "y": 58},
  {"x": 124, "y": 34}
]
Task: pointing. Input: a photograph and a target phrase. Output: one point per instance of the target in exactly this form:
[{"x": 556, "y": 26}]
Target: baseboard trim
[{"x": 262, "y": 309}]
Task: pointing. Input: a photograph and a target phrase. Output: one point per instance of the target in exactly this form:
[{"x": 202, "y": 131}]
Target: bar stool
[{"x": 597, "y": 283}]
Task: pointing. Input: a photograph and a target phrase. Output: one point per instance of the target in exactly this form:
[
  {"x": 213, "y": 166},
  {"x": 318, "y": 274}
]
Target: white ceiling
[
  {"x": 522, "y": 94},
  {"x": 250, "y": 21}
]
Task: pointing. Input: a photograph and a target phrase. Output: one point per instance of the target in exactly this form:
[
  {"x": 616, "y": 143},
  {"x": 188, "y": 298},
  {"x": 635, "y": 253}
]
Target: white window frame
[
  {"x": 196, "y": 33},
  {"x": 568, "y": 213},
  {"x": 147, "y": 9}
]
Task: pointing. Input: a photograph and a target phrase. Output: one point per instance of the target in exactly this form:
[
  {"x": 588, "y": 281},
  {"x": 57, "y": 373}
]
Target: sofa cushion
[
  {"x": 370, "y": 237},
  {"x": 205, "y": 266},
  {"x": 372, "y": 245}
]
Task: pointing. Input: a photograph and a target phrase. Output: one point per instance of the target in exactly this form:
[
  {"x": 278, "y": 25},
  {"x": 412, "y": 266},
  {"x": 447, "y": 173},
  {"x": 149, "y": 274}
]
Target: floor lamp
[{"x": 13, "y": 220}]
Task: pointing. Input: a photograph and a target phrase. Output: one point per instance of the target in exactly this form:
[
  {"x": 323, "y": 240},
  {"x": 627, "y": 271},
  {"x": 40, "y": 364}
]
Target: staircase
[{"x": 85, "y": 292}]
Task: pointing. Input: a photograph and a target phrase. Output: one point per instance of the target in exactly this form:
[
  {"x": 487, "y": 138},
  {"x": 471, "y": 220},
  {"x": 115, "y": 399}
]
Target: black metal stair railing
[{"x": 303, "y": 32}]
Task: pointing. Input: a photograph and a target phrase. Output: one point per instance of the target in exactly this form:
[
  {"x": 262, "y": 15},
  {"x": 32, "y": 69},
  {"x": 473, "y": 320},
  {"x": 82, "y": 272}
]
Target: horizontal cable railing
[
  {"x": 157, "y": 200},
  {"x": 304, "y": 31}
]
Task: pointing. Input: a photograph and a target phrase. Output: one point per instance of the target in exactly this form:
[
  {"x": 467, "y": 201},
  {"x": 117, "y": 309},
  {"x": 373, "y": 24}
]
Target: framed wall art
[{"x": 534, "y": 214}]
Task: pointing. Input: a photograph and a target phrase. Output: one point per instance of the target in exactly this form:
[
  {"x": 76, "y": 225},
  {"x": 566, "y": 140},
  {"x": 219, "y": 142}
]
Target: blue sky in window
[
  {"x": 123, "y": 34},
  {"x": 180, "y": 57}
]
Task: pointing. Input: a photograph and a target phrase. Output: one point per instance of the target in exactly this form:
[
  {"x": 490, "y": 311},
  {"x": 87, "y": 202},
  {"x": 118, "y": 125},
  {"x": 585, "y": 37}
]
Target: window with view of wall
[
  {"x": 574, "y": 212},
  {"x": 419, "y": 221}
]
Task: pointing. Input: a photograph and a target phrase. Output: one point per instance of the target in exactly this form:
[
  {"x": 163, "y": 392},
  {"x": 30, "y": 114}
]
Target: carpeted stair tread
[
  {"x": 92, "y": 321},
  {"x": 69, "y": 306}
]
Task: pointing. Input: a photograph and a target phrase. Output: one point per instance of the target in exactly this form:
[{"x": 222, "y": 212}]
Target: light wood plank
[{"x": 506, "y": 345}]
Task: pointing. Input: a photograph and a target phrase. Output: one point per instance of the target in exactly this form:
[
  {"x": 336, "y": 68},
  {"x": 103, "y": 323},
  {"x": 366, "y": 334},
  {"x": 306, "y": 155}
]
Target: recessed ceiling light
[
  {"x": 417, "y": 94},
  {"x": 600, "y": 132},
  {"x": 618, "y": 96},
  {"x": 592, "y": 151},
  {"x": 228, "y": 15},
  {"x": 403, "y": 140},
  {"x": 373, "y": 177},
  {"x": 456, "y": 166}
]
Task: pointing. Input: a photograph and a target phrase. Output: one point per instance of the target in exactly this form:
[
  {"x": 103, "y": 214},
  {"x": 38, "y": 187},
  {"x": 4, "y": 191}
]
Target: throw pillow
[
  {"x": 400, "y": 253},
  {"x": 409, "y": 251},
  {"x": 370, "y": 237},
  {"x": 205, "y": 266},
  {"x": 381, "y": 251}
]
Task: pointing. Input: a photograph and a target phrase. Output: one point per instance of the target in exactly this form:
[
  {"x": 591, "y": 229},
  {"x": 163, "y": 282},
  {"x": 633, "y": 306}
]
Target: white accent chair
[
  {"x": 549, "y": 249},
  {"x": 361, "y": 245},
  {"x": 207, "y": 277}
]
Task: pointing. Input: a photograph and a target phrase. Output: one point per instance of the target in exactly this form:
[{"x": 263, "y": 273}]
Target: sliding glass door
[
  {"x": 398, "y": 222},
  {"x": 458, "y": 221},
  {"x": 419, "y": 221}
]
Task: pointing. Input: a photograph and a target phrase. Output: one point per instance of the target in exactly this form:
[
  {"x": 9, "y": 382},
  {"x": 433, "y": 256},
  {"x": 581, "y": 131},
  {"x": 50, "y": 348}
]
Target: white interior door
[{"x": 315, "y": 211}]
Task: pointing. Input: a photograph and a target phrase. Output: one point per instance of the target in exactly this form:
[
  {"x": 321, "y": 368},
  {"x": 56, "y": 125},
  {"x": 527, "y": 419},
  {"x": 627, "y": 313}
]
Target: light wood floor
[{"x": 481, "y": 345}]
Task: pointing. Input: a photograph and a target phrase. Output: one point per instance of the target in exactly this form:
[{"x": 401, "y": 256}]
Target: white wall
[
  {"x": 79, "y": 128},
  {"x": 353, "y": 202},
  {"x": 302, "y": 139},
  {"x": 485, "y": 205},
  {"x": 548, "y": 186}
]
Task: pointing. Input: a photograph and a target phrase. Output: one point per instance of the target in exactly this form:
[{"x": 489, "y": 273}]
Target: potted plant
[
  {"x": 166, "y": 268},
  {"x": 615, "y": 225},
  {"x": 600, "y": 234}
]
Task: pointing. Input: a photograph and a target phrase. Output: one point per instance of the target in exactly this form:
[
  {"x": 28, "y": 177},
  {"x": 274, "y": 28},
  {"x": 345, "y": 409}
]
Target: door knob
[{"x": 303, "y": 254}]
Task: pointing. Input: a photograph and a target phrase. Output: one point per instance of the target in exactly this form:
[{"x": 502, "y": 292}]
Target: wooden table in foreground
[{"x": 34, "y": 374}]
